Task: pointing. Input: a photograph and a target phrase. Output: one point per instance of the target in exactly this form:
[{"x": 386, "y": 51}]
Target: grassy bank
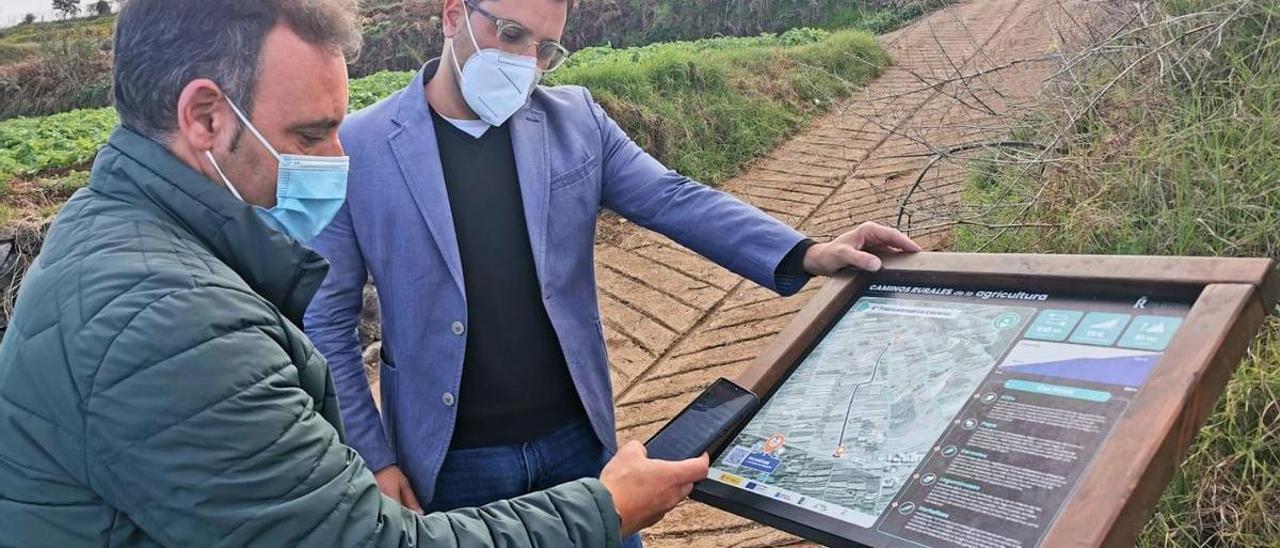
[
  {"x": 1179, "y": 158},
  {"x": 704, "y": 107},
  {"x": 401, "y": 34},
  {"x": 18, "y": 41},
  {"x": 56, "y": 66}
]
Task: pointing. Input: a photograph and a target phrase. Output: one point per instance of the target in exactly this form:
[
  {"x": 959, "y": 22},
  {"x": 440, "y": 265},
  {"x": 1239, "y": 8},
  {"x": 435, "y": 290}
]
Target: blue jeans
[{"x": 477, "y": 476}]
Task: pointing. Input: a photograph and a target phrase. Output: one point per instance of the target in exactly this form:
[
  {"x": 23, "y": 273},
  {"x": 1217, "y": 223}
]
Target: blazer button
[
  {"x": 458, "y": 328},
  {"x": 447, "y": 398}
]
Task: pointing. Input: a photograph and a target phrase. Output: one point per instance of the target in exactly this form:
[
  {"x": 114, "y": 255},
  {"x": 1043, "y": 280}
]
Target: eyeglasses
[{"x": 551, "y": 53}]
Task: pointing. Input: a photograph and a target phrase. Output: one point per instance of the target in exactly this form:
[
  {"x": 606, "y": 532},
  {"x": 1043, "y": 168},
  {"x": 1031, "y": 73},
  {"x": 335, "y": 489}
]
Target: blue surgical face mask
[
  {"x": 494, "y": 83},
  {"x": 309, "y": 189}
]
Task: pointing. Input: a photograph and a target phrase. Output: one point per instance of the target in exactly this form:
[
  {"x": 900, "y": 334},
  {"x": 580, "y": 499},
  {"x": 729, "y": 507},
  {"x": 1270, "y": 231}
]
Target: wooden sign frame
[{"x": 1115, "y": 496}]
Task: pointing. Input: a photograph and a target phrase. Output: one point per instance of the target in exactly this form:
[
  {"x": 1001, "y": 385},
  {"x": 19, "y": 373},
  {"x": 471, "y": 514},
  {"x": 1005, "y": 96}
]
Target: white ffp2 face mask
[{"x": 494, "y": 83}]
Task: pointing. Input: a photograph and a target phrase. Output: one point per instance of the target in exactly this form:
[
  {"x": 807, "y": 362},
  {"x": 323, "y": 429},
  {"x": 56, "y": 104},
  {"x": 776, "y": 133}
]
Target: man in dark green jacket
[{"x": 155, "y": 387}]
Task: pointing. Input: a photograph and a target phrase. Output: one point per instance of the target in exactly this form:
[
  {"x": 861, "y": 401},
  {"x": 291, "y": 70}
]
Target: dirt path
[{"x": 674, "y": 322}]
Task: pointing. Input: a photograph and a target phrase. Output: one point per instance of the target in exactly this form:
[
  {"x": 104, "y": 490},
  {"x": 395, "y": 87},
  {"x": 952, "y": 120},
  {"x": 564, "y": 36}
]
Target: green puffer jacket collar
[{"x": 277, "y": 267}]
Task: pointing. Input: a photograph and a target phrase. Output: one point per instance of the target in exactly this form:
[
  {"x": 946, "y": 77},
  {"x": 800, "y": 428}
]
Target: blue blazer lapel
[
  {"x": 418, "y": 156},
  {"x": 529, "y": 144}
]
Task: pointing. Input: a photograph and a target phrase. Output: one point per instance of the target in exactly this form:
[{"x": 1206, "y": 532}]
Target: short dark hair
[
  {"x": 569, "y": 7},
  {"x": 162, "y": 45}
]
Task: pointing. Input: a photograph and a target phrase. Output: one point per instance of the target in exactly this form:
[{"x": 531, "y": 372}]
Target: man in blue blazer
[{"x": 472, "y": 203}]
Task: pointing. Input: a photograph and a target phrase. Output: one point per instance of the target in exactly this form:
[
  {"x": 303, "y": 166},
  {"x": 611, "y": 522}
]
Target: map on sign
[{"x": 868, "y": 403}]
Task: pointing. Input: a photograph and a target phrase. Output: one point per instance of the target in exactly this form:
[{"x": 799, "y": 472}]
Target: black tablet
[{"x": 926, "y": 415}]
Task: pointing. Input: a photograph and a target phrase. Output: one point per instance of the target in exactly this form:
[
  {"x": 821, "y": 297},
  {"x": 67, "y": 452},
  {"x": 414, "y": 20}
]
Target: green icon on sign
[
  {"x": 1007, "y": 320},
  {"x": 863, "y": 306},
  {"x": 1150, "y": 332},
  {"x": 1100, "y": 328}
]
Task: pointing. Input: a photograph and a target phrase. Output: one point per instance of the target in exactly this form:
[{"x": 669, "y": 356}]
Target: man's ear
[
  {"x": 451, "y": 18},
  {"x": 203, "y": 115}
]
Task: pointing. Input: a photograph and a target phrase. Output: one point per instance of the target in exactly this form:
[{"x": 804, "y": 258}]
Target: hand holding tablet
[{"x": 712, "y": 414}]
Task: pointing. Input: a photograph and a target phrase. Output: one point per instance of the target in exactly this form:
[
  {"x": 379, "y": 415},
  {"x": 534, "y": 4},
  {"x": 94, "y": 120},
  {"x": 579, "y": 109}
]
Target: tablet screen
[{"x": 707, "y": 418}]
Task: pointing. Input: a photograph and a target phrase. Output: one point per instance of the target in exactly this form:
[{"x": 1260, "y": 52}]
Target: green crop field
[{"x": 29, "y": 146}]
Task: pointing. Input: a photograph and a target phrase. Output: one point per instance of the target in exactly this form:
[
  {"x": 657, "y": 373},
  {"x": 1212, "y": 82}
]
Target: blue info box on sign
[{"x": 762, "y": 462}]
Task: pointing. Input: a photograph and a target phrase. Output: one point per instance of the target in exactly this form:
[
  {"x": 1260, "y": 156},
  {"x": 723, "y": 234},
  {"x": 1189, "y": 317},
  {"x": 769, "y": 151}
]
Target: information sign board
[{"x": 988, "y": 400}]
